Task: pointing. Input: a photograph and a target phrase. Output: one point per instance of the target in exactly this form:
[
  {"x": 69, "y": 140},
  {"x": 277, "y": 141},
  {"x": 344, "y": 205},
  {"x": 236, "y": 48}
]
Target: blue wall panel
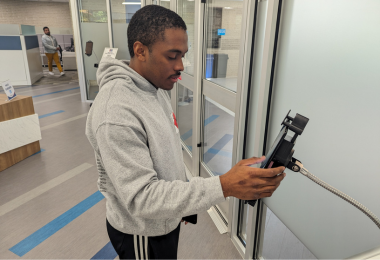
[
  {"x": 10, "y": 43},
  {"x": 31, "y": 42}
]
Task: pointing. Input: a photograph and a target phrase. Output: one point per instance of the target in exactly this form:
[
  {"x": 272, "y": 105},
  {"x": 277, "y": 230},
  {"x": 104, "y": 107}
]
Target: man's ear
[{"x": 140, "y": 51}]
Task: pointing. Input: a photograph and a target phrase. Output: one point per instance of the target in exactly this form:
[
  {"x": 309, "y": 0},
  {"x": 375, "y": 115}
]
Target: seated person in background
[{"x": 51, "y": 47}]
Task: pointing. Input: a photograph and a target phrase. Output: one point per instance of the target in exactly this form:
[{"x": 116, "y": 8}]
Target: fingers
[
  {"x": 272, "y": 172},
  {"x": 268, "y": 181},
  {"x": 266, "y": 195},
  {"x": 267, "y": 191},
  {"x": 252, "y": 161}
]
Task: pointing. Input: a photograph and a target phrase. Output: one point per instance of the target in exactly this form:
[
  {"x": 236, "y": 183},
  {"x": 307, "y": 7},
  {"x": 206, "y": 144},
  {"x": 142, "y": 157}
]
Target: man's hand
[
  {"x": 247, "y": 183},
  {"x": 57, "y": 48},
  {"x": 185, "y": 222}
]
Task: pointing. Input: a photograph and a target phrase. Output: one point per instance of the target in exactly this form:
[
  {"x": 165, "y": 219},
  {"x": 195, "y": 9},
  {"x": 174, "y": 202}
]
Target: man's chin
[{"x": 168, "y": 86}]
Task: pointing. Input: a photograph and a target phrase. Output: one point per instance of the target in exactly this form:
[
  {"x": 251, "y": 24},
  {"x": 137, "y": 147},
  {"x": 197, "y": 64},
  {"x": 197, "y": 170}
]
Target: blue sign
[{"x": 221, "y": 31}]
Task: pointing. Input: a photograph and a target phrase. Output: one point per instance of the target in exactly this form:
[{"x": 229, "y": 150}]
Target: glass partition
[
  {"x": 327, "y": 69},
  {"x": 280, "y": 243},
  {"x": 218, "y": 137},
  {"x": 186, "y": 9},
  {"x": 122, "y": 12},
  {"x": 223, "y": 42},
  {"x": 243, "y": 220},
  {"x": 185, "y": 115},
  {"x": 165, "y": 3},
  {"x": 93, "y": 18}
]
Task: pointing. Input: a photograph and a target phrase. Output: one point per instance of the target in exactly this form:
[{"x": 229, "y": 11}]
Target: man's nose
[{"x": 179, "y": 65}]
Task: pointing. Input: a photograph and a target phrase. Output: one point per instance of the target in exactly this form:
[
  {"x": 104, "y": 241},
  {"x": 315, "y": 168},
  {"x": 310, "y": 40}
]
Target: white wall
[
  {"x": 34, "y": 64},
  {"x": 12, "y": 67},
  {"x": 39, "y": 14}
]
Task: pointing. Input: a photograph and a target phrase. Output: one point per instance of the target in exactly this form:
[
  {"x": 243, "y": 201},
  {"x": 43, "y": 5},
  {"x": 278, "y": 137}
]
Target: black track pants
[{"x": 140, "y": 247}]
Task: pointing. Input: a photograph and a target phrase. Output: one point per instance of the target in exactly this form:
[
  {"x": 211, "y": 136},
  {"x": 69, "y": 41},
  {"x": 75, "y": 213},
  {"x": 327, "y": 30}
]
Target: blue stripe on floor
[
  {"x": 54, "y": 92},
  {"x": 40, "y": 151},
  {"x": 50, "y": 114},
  {"x": 186, "y": 135},
  {"x": 218, "y": 146},
  {"x": 220, "y": 152},
  {"x": 189, "y": 133},
  {"x": 210, "y": 119},
  {"x": 54, "y": 226},
  {"x": 107, "y": 252}
]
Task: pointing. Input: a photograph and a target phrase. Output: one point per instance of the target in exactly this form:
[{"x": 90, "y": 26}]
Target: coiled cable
[{"x": 340, "y": 194}]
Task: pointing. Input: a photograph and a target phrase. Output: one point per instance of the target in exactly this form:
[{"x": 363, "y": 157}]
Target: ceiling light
[
  {"x": 227, "y": 7},
  {"x": 131, "y": 3}
]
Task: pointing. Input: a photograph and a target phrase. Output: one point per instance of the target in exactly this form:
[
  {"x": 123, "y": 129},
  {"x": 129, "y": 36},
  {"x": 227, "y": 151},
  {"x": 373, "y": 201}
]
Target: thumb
[{"x": 252, "y": 161}]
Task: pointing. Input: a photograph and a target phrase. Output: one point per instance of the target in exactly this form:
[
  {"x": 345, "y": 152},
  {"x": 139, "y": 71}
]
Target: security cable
[{"x": 340, "y": 194}]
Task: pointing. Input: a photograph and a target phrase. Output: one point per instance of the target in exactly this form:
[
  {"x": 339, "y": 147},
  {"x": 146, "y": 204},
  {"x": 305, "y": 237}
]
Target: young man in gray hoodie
[{"x": 132, "y": 129}]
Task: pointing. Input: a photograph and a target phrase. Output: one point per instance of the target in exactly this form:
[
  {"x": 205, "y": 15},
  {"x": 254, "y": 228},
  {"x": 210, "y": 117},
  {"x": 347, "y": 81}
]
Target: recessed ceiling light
[
  {"x": 227, "y": 7},
  {"x": 131, "y": 3}
]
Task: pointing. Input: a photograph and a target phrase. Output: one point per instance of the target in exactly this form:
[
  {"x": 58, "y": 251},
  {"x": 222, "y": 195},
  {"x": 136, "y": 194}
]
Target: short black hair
[
  {"x": 149, "y": 23},
  {"x": 45, "y": 28}
]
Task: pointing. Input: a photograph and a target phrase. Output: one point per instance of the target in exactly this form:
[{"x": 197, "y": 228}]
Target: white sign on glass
[{"x": 110, "y": 52}]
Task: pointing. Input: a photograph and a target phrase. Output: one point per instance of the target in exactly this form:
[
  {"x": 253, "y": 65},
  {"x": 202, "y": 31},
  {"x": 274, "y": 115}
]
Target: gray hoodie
[{"x": 139, "y": 156}]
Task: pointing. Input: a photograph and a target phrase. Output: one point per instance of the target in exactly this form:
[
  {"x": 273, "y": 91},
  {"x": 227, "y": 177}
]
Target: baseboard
[{"x": 219, "y": 223}]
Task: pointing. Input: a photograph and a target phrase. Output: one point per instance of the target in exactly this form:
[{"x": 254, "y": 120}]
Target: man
[
  {"x": 51, "y": 47},
  {"x": 132, "y": 129}
]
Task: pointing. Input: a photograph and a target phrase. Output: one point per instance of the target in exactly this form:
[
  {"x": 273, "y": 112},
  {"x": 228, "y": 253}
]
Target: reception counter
[{"x": 19, "y": 130}]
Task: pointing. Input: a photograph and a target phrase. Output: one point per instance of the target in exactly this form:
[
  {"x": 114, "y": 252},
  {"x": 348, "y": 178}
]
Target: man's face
[
  {"x": 164, "y": 64},
  {"x": 47, "y": 31}
]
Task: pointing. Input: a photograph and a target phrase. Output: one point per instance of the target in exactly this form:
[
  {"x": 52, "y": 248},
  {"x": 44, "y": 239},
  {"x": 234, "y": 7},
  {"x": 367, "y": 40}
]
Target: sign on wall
[{"x": 221, "y": 31}]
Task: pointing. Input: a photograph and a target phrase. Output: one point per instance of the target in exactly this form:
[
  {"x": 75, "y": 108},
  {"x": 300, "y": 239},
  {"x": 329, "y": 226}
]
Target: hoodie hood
[{"x": 110, "y": 69}]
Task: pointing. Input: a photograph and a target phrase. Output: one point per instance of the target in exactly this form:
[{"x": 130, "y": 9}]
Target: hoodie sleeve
[{"x": 126, "y": 159}]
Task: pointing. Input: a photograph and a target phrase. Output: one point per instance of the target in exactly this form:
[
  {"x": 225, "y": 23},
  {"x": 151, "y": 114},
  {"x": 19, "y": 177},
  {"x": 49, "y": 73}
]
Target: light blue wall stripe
[
  {"x": 50, "y": 114},
  {"x": 189, "y": 133},
  {"x": 107, "y": 252},
  {"x": 54, "y": 226},
  {"x": 54, "y": 92}
]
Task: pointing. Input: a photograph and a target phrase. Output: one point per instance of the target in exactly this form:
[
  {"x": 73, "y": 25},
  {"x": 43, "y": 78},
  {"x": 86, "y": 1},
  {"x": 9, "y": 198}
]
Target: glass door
[
  {"x": 93, "y": 17},
  {"x": 109, "y": 19},
  {"x": 122, "y": 12},
  {"x": 222, "y": 52},
  {"x": 186, "y": 87},
  {"x": 165, "y": 3}
]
